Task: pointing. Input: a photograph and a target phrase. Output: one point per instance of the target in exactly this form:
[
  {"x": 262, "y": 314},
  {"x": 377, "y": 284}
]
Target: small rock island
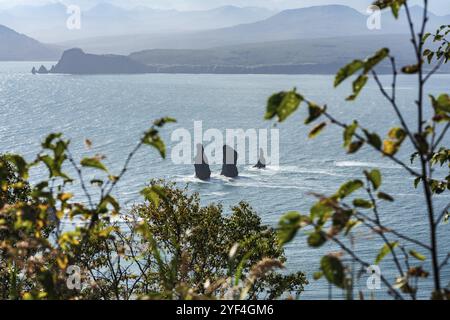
[{"x": 76, "y": 61}]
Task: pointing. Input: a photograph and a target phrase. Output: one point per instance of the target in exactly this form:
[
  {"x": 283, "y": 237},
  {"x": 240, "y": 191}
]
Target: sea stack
[
  {"x": 261, "y": 160},
  {"x": 42, "y": 70},
  {"x": 230, "y": 158},
  {"x": 202, "y": 170}
]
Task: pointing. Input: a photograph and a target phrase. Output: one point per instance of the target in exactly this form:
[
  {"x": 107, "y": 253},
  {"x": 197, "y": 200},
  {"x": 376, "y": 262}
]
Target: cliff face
[{"x": 75, "y": 61}]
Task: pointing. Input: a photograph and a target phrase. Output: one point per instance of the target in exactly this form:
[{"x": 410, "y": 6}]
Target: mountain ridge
[
  {"x": 15, "y": 46},
  {"x": 303, "y": 23},
  {"x": 48, "y": 23}
]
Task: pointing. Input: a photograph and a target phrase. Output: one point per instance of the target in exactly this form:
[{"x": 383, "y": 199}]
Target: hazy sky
[{"x": 438, "y": 6}]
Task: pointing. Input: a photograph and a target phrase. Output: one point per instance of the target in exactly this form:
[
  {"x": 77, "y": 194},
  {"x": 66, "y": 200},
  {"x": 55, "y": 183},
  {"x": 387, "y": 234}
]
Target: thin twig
[
  {"x": 441, "y": 136},
  {"x": 80, "y": 176},
  {"x": 446, "y": 260},
  {"x": 360, "y": 138},
  {"x": 442, "y": 215},
  {"x": 434, "y": 70},
  {"x": 366, "y": 265},
  {"x": 393, "y": 102}
]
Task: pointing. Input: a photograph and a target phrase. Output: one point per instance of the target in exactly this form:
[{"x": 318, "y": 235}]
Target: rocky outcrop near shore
[{"x": 76, "y": 61}]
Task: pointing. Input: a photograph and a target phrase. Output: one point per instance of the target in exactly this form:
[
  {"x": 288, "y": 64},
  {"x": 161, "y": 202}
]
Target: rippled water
[{"x": 113, "y": 111}]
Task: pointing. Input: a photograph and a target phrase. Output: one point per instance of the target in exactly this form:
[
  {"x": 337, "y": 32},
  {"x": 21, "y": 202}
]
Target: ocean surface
[{"x": 113, "y": 111}]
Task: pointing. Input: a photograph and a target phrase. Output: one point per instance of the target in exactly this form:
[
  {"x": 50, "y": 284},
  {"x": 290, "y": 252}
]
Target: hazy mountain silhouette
[
  {"x": 48, "y": 23},
  {"x": 306, "y": 23},
  {"x": 325, "y": 55},
  {"x": 306, "y": 56},
  {"x": 16, "y": 46}
]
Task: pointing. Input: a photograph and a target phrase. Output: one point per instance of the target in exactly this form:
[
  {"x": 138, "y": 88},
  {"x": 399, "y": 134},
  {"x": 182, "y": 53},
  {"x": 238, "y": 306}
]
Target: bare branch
[
  {"x": 393, "y": 102},
  {"x": 360, "y": 138},
  {"x": 441, "y": 136},
  {"x": 80, "y": 176}
]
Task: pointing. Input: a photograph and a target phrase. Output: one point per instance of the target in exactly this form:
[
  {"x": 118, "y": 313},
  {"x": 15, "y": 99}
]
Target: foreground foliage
[
  {"x": 168, "y": 247},
  {"x": 333, "y": 217}
]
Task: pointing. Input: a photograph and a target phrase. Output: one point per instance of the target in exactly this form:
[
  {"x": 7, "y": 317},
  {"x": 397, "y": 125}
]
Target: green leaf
[
  {"x": 355, "y": 146},
  {"x": 48, "y": 142},
  {"x": 19, "y": 163},
  {"x": 153, "y": 139},
  {"x": 349, "y": 132},
  {"x": 317, "y": 275},
  {"x": 374, "y": 177},
  {"x": 385, "y": 196},
  {"x": 93, "y": 163},
  {"x": 341, "y": 219},
  {"x": 288, "y": 227},
  {"x": 395, "y": 5},
  {"x": 442, "y": 103},
  {"x": 361, "y": 203},
  {"x": 109, "y": 200},
  {"x": 417, "y": 255},
  {"x": 349, "y": 187},
  {"x": 333, "y": 270},
  {"x": 417, "y": 181},
  {"x": 314, "y": 112},
  {"x": 316, "y": 239},
  {"x": 385, "y": 250},
  {"x": 422, "y": 142},
  {"x": 373, "y": 139},
  {"x": 358, "y": 85},
  {"x": 163, "y": 121},
  {"x": 317, "y": 130},
  {"x": 351, "y": 224},
  {"x": 430, "y": 57},
  {"x": 375, "y": 59},
  {"x": 153, "y": 194},
  {"x": 348, "y": 71},
  {"x": 321, "y": 209},
  {"x": 283, "y": 104},
  {"x": 53, "y": 167},
  {"x": 425, "y": 37},
  {"x": 412, "y": 69}
]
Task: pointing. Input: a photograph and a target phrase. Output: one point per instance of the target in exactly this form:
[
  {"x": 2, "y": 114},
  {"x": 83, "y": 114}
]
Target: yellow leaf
[
  {"x": 62, "y": 262},
  {"x": 65, "y": 196},
  {"x": 390, "y": 147}
]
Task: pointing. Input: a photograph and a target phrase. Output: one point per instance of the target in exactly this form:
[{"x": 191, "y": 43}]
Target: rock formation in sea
[
  {"x": 76, "y": 61},
  {"x": 42, "y": 70},
  {"x": 261, "y": 160},
  {"x": 202, "y": 170},
  {"x": 230, "y": 158}
]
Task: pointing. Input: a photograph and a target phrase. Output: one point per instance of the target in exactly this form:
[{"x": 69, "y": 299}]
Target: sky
[{"x": 438, "y": 6}]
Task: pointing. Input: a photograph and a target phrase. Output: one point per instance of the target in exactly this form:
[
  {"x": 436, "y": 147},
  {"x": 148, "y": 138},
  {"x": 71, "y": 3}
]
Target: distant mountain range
[
  {"x": 306, "y": 23},
  {"x": 288, "y": 52},
  {"x": 317, "y": 56},
  {"x": 310, "y": 40},
  {"x": 18, "y": 47},
  {"x": 48, "y": 22},
  {"x": 312, "y": 56}
]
